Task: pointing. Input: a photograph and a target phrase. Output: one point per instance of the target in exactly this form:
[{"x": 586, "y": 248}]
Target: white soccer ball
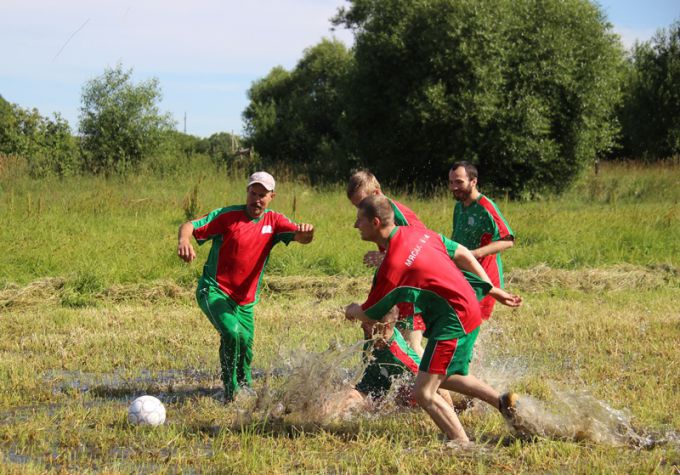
[{"x": 146, "y": 410}]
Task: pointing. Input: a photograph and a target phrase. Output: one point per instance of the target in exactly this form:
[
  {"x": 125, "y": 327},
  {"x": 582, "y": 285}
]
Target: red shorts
[{"x": 449, "y": 356}]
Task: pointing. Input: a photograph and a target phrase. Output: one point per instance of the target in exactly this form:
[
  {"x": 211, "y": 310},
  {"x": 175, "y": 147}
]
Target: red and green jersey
[
  {"x": 403, "y": 215},
  {"x": 240, "y": 248},
  {"x": 417, "y": 269},
  {"x": 477, "y": 225}
]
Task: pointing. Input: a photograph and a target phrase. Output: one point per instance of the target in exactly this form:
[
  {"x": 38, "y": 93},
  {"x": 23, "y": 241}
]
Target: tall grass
[{"x": 122, "y": 230}]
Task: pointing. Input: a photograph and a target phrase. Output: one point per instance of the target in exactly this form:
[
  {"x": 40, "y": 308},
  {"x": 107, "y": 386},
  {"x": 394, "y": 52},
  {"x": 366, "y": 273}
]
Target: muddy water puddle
[{"x": 309, "y": 389}]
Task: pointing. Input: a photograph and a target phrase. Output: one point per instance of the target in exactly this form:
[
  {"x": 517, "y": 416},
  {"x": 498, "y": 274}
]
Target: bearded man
[{"x": 479, "y": 225}]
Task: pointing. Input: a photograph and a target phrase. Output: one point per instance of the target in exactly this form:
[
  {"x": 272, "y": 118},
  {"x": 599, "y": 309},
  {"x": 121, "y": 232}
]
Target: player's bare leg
[
  {"x": 414, "y": 338},
  {"x": 473, "y": 387},
  {"x": 446, "y": 396},
  {"x": 348, "y": 401},
  {"x": 439, "y": 410}
]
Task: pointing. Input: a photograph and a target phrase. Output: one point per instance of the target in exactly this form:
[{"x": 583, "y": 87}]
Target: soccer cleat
[{"x": 507, "y": 404}]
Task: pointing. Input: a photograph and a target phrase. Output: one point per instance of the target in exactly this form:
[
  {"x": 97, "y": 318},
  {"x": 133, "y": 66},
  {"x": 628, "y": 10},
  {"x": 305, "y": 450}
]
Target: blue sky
[{"x": 205, "y": 53}]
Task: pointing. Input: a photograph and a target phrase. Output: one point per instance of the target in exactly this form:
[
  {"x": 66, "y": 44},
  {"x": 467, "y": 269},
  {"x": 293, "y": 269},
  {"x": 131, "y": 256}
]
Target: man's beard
[{"x": 463, "y": 195}]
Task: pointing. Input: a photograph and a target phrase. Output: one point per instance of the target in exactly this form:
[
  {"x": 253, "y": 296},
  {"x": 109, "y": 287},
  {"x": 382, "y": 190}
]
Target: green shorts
[
  {"x": 449, "y": 356},
  {"x": 388, "y": 363}
]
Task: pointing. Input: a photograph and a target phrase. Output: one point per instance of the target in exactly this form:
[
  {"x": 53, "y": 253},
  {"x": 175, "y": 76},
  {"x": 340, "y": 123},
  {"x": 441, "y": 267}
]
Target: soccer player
[
  {"x": 479, "y": 225},
  {"x": 361, "y": 185},
  {"x": 391, "y": 357},
  {"x": 242, "y": 237},
  {"x": 417, "y": 269}
]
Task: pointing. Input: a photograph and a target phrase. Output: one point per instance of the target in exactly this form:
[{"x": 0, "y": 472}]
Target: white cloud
[{"x": 630, "y": 35}]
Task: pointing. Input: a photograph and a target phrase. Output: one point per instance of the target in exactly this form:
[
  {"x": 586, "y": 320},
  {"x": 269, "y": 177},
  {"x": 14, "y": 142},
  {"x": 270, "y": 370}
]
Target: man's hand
[
  {"x": 505, "y": 298},
  {"x": 373, "y": 258},
  {"x": 185, "y": 251},
  {"x": 304, "y": 233},
  {"x": 352, "y": 312}
]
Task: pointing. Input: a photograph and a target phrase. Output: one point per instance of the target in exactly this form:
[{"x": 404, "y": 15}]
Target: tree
[
  {"x": 297, "y": 118},
  {"x": 46, "y": 144},
  {"x": 650, "y": 112},
  {"x": 524, "y": 89},
  {"x": 120, "y": 122}
]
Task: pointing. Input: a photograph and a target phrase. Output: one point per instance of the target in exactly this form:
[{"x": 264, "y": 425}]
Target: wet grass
[{"x": 68, "y": 373}]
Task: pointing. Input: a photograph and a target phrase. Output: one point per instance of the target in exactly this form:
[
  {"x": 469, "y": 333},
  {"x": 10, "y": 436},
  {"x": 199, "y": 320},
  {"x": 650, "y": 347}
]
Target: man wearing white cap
[{"x": 242, "y": 237}]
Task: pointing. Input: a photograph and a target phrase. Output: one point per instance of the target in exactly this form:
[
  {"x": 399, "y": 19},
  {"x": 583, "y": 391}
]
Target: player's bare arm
[
  {"x": 354, "y": 312},
  {"x": 493, "y": 247},
  {"x": 465, "y": 260},
  {"x": 185, "y": 250},
  {"x": 304, "y": 233}
]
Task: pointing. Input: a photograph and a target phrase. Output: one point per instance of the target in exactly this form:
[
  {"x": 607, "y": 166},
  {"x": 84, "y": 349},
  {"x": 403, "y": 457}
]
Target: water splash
[
  {"x": 318, "y": 391},
  {"x": 315, "y": 390},
  {"x": 314, "y": 393},
  {"x": 579, "y": 416},
  {"x": 565, "y": 415}
]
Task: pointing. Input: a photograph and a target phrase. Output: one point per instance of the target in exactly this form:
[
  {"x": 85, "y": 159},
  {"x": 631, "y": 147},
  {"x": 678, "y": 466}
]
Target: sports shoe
[{"x": 507, "y": 404}]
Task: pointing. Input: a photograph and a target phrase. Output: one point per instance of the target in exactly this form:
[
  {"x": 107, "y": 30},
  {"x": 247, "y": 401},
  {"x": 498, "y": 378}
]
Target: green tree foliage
[
  {"x": 221, "y": 147},
  {"x": 524, "y": 89},
  {"x": 650, "y": 113},
  {"x": 46, "y": 144},
  {"x": 10, "y": 137},
  {"x": 58, "y": 152},
  {"x": 120, "y": 122},
  {"x": 185, "y": 144},
  {"x": 297, "y": 117}
]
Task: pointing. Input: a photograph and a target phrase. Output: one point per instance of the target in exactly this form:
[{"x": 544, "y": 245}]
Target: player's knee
[{"x": 423, "y": 397}]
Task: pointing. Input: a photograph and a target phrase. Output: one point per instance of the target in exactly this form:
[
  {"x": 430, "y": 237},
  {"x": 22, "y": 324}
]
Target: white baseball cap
[{"x": 264, "y": 179}]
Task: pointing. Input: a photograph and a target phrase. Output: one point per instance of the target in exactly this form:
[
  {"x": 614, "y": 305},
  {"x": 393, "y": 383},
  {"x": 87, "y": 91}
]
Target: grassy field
[{"x": 95, "y": 309}]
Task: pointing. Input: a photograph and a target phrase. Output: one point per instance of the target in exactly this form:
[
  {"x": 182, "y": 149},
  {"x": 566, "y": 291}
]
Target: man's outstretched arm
[{"x": 465, "y": 260}]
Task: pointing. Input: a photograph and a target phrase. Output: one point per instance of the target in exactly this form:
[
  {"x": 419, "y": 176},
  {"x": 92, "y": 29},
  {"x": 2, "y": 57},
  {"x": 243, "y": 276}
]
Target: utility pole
[{"x": 185, "y": 122}]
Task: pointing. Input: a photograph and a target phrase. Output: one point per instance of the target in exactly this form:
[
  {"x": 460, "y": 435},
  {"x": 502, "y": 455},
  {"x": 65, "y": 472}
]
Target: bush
[{"x": 120, "y": 121}]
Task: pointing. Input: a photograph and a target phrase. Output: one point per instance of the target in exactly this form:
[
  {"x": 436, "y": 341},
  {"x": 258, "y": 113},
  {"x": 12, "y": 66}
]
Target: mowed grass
[
  {"x": 95, "y": 309},
  {"x": 68, "y": 375}
]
